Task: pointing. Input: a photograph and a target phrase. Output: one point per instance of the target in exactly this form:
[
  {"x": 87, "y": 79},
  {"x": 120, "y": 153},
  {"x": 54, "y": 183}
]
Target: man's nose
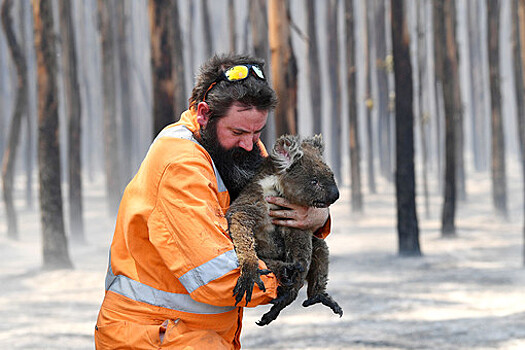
[{"x": 246, "y": 143}]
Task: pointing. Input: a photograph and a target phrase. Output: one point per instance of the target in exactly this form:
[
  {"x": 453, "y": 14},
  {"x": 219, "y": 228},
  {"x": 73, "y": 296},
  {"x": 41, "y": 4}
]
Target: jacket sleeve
[
  {"x": 188, "y": 229},
  {"x": 324, "y": 231}
]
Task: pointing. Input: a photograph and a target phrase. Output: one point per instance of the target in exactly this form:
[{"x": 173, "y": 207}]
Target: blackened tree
[
  {"x": 55, "y": 248},
  {"x": 407, "y": 223}
]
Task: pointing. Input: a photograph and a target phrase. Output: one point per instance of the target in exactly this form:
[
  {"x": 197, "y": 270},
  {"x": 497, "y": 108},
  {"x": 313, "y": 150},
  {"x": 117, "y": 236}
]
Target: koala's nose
[{"x": 333, "y": 194}]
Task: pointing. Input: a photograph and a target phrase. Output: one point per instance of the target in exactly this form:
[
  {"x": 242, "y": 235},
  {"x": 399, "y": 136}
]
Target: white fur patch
[{"x": 271, "y": 187}]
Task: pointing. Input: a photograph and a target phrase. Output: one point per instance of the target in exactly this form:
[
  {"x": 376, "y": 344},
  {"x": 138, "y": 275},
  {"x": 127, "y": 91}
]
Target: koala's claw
[
  {"x": 245, "y": 284},
  {"x": 326, "y": 300}
]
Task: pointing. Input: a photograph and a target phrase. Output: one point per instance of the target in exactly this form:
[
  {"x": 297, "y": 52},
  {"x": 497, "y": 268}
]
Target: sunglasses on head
[{"x": 236, "y": 73}]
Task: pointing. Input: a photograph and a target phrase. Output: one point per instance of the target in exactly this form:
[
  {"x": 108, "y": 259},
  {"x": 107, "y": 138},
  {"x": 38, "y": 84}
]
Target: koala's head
[{"x": 304, "y": 177}]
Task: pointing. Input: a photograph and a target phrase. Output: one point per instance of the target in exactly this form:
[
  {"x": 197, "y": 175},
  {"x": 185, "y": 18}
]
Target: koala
[{"x": 294, "y": 170}]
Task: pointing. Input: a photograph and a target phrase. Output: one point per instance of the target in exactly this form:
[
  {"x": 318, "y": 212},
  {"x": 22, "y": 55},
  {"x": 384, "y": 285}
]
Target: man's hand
[{"x": 297, "y": 216}]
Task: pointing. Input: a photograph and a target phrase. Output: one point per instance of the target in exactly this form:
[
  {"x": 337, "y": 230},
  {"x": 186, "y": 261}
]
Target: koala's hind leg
[
  {"x": 318, "y": 277},
  {"x": 298, "y": 248},
  {"x": 285, "y": 297}
]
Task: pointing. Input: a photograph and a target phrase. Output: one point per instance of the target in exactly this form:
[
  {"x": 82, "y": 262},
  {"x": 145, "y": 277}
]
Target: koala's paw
[
  {"x": 267, "y": 318},
  {"x": 290, "y": 274},
  {"x": 245, "y": 283},
  {"x": 325, "y": 299}
]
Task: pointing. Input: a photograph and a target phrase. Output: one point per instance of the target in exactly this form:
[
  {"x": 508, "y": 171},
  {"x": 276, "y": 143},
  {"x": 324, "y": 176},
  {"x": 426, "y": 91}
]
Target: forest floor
[{"x": 466, "y": 292}]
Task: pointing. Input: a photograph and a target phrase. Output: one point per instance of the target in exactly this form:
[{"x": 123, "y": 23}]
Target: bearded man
[{"x": 173, "y": 267}]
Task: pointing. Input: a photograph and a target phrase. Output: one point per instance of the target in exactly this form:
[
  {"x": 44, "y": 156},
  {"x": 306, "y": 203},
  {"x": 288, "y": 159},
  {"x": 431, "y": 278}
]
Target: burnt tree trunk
[
  {"x": 73, "y": 111},
  {"x": 314, "y": 67},
  {"x": 232, "y": 34},
  {"x": 423, "y": 112},
  {"x": 111, "y": 148},
  {"x": 206, "y": 23},
  {"x": 334, "y": 85},
  {"x": 24, "y": 11},
  {"x": 499, "y": 186},
  {"x": 519, "y": 74},
  {"x": 477, "y": 93},
  {"x": 439, "y": 34},
  {"x": 353, "y": 134},
  {"x": 55, "y": 247},
  {"x": 369, "y": 43},
  {"x": 453, "y": 52},
  {"x": 161, "y": 64},
  {"x": 382, "y": 70},
  {"x": 407, "y": 223},
  {"x": 181, "y": 102},
  {"x": 284, "y": 67},
  {"x": 449, "y": 69},
  {"x": 123, "y": 53},
  {"x": 258, "y": 18},
  {"x": 10, "y": 153},
  {"x": 259, "y": 28}
]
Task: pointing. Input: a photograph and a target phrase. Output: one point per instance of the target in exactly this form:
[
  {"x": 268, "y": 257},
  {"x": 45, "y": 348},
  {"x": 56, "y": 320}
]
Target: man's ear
[{"x": 203, "y": 114}]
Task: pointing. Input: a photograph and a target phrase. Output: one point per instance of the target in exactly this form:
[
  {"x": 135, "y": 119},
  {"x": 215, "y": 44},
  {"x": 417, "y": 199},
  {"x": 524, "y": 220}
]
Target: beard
[{"x": 236, "y": 166}]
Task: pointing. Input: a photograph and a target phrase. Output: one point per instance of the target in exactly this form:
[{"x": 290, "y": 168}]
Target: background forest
[{"x": 419, "y": 102}]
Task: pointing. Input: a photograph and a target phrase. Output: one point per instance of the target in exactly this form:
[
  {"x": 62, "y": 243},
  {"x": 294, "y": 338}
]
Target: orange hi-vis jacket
[{"x": 172, "y": 266}]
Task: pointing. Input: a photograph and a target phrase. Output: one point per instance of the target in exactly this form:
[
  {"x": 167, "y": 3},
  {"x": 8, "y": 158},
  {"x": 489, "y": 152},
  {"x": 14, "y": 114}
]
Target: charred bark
[
  {"x": 314, "y": 67},
  {"x": 439, "y": 54},
  {"x": 407, "y": 223},
  {"x": 519, "y": 74},
  {"x": 29, "y": 151},
  {"x": 10, "y": 153},
  {"x": 109, "y": 77},
  {"x": 73, "y": 111},
  {"x": 334, "y": 85},
  {"x": 126, "y": 110},
  {"x": 453, "y": 52},
  {"x": 161, "y": 64},
  {"x": 206, "y": 23},
  {"x": 355, "y": 168},
  {"x": 499, "y": 185},
  {"x": 369, "y": 100},
  {"x": 232, "y": 33},
  {"x": 55, "y": 247},
  {"x": 181, "y": 102},
  {"x": 449, "y": 68},
  {"x": 383, "y": 67},
  {"x": 423, "y": 112},
  {"x": 258, "y": 18},
  {"x": 477, "y": 93},
  {"x": 284, "y": 67}
]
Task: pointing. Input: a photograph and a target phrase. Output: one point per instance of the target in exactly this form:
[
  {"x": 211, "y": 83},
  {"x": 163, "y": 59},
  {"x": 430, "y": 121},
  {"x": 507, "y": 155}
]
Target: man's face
[
  {"x": 241, "y": 127},
  {"x": 231, "y": 141}
]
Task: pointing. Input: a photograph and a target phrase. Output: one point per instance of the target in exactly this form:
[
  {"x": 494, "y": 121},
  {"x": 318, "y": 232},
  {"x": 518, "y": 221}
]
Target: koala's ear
[
  {"x": 316, "y": 141},
  {"x": 287, "y": 149}
]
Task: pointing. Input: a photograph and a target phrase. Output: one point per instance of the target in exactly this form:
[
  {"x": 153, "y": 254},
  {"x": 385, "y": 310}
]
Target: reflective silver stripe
[
  {"x": 182, "y": 132},
  {"x": 209, "y": 271},
  {"x": 140, "y": 292}
]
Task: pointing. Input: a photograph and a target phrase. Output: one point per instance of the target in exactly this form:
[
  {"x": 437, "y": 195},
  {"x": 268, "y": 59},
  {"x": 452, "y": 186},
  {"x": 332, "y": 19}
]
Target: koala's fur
[{"x": 294, "y": 170}]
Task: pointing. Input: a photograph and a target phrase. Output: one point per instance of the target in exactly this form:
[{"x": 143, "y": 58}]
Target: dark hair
[{"x": 251, "y": 91}]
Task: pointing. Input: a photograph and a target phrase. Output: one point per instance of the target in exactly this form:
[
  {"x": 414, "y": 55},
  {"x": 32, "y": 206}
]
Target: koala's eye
[{"x": 314, "y": 182}]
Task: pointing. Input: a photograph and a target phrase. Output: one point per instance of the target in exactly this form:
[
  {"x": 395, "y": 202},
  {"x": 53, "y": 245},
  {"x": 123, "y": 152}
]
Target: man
[{"x": 172, "y": 265}]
